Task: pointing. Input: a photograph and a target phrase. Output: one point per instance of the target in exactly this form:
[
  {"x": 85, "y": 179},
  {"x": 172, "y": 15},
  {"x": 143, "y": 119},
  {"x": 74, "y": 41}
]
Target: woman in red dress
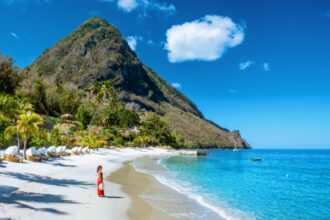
[{"x": 100, "y": 185}]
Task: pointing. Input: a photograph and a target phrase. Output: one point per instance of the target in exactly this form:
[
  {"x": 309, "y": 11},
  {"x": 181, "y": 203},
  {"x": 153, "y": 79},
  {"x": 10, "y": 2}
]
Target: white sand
[{"x": 64, "y": 188}]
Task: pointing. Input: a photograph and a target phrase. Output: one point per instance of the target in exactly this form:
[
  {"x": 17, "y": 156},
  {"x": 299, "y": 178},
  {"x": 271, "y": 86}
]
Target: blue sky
[{"x": 260, "y": 66}]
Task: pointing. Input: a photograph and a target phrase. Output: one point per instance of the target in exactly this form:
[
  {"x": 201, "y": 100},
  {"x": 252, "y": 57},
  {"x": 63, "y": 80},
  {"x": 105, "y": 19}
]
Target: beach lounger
[
  {"x": 74, "y": 153},
  {"x": 85, "y": 150},
  {"x": 61, "y": 154},
  {"x": 32, "y": 154},
  {"x": 33, "y": 158},
  {"x": 50, "y": 154},
  {"x": 44, "y": 157},
  {"x": 43, "y": 153},
  {"x": 11, "y": 158}
]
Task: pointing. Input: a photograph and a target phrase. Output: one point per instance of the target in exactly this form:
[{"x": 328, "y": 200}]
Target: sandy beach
[
  {"x": 64, "y": 188},
  {"x": 134, "y": 184}
]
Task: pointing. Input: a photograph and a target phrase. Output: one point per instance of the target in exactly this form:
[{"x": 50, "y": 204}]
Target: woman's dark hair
[{"x": 98, "y": 168}]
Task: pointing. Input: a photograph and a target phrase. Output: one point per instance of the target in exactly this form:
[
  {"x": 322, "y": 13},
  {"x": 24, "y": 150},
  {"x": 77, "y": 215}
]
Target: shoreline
[
  {"x": 65, "y": 188},
  {"x": 153, "y": 199},
  {"x": 134, "y": 184}
]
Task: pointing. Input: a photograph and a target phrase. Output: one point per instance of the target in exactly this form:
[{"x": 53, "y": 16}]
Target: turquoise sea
[{"x": 286, "y": 184}]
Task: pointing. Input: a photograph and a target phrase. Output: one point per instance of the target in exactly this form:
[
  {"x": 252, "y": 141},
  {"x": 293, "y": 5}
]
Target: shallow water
[{"x": 286, "y": 184}]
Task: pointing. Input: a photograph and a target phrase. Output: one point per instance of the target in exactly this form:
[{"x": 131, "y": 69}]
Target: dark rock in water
[{"x": 96, "y": 51}]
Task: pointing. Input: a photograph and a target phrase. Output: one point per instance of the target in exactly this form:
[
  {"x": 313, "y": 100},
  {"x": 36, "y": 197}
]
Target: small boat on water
[
  {"x": 255, "y": 159},
  {"x": 235, "y": 149}
]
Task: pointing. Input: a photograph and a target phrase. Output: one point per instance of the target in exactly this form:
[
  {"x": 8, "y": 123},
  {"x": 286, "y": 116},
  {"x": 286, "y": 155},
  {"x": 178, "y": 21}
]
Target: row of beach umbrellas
[{"x": 33, "y": 154}]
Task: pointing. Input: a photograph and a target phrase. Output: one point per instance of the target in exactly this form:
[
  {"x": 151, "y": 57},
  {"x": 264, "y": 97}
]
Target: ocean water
[{"x": 286, "y": 184}]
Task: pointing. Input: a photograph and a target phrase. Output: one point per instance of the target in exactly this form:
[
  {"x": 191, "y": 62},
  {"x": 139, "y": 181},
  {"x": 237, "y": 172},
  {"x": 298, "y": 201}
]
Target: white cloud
[
  {"x": 204, "y": 39},
  {"x": 158, "y": 6},
  {"x": 245, "y": 65},
  {"x": 266, "y": 67},
  {"x": 232, "y": 91},
  {"x": 14, "y": 35},
  {"x": 127, "y": 5},
  {"x": 133, "y": 41},
  {"x": 176, "y": 85},
  {"x": 144, "y": 5}
]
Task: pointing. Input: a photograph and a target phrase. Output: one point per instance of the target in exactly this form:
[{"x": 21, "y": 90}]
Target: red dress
[{"x": 100, "y": 185}]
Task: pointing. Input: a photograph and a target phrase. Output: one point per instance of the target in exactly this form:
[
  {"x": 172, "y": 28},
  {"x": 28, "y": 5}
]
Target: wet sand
[
  {"x": 134, "y": 184},
  {"x": 151, "y": 199}
]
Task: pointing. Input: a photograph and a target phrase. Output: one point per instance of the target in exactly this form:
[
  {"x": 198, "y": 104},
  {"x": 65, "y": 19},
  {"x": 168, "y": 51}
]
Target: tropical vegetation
[{"x": 34, "y": 113}]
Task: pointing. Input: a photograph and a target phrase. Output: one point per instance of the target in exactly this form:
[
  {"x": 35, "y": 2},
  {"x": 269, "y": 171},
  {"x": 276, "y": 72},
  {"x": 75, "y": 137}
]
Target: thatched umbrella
[{"x": 67, "y": 116}]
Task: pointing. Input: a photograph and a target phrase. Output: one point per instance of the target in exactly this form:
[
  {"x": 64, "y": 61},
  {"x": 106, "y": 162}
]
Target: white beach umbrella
[
  {"x": 13, "y": 150},
  {"x": 58, "y": 149},
  {"x": 42, "y": 151},
  {"x": 52, "y": 149},
  {"x": 32, "y": 152}
]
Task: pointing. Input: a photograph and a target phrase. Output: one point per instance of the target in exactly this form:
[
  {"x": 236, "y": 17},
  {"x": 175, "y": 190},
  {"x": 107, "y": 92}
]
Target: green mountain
[{"x": 96, "y": 51}]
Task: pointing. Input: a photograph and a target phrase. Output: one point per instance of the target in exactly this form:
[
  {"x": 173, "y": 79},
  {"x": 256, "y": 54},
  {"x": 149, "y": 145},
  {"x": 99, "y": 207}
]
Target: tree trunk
[
  {"x": 24, "y": 151},
  {"x": 18, "y": 142}
]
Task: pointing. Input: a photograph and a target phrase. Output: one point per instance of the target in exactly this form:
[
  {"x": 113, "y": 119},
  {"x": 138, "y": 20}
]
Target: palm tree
[
  {"x": 107, "y": 90},
  {"x": 102, "y": 91},
  {"x": 91, "y": 141},
  {"x": 23, "y": 106},
  {"x": 95, "y": 88},
  {"x": 8, "y": 110},
  {"x": 11, "y": 108},
  {"x": 27, "y": 124},
  {"x": 8, "y": 107},
  {"x": 143, "y": 140},
  {"x": 99, "y": 98}
]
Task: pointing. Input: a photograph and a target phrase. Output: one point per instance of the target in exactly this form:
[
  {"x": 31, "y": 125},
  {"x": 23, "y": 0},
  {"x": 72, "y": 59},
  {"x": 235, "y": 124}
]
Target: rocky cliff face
[{"x": 96, "y": 51}]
